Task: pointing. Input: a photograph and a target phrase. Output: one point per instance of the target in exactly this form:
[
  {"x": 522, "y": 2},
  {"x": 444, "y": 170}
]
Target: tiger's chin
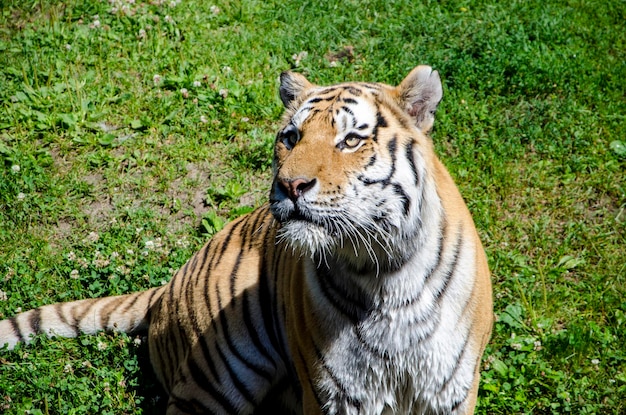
[
  {"x": 307, "y": 238},
  {"x": 324, "y": 246}
]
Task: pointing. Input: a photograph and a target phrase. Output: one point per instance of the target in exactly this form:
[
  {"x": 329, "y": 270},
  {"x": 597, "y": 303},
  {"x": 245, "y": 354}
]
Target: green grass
[{"x": 110, "y": 176}]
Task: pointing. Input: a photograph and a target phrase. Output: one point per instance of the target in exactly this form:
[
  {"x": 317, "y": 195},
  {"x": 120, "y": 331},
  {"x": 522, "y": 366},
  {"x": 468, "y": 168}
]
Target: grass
[{"x": 132, "y": 131}]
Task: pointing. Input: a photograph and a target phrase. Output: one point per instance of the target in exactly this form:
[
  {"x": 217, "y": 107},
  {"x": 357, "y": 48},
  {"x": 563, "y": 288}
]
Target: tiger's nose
[{"x": 297, "y": 187}]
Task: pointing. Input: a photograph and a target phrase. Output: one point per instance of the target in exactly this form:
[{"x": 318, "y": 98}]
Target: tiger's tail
[{"x": 124, "y": 313}]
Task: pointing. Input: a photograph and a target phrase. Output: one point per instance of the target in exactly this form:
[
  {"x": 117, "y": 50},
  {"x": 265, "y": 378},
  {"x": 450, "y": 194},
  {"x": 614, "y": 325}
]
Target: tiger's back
[{"x": 362, "y": 287}]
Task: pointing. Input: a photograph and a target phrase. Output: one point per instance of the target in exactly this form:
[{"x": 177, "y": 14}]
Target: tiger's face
[{"x": 348, "y": 166}]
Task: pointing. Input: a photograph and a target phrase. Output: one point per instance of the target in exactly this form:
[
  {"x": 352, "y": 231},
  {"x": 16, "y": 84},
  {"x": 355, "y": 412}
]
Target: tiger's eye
[
  {"x": 351, "y": 140},
  {"x": 289, "y": 136}
]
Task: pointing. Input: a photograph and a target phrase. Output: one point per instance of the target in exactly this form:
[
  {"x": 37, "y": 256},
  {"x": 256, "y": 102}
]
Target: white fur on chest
[{"x": 405, "y": 354}]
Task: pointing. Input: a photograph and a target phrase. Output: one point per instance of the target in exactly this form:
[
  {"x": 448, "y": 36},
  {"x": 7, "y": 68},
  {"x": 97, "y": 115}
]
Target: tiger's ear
[
  {"x": 292, "y": 85},
  {"x": 420, "y": 93}
]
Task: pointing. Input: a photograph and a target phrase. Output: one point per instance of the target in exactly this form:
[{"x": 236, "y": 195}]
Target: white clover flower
[
  {"x": 156, "y": 79},
  {"x": 224, "y": 92},
  {"x": 149, "y": 244},
  {"x": 3, "y": 296},
  {"x": 101, "y": 346},
  {"x": 184, "y": 93},
  {"x": 74, "y": 274},
  {"x": 169, "y": 19},
  {"x": 595, "y": 361},
  {"x": 21, "y": 196},
  {"x": 141, "y": 34},
  {"x": 197, "y": 84},
  {"x": 299, "y": 56},
  {"x": 215, "y": 10},
  {"x": 15, "y": 168},
  {"x": 203, "y": 119},
  {"x": 92, "y": 237}
]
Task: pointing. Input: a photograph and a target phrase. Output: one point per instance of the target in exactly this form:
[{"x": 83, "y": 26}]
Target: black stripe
[
  {"x": 198, "y": 331},
  {"x": 186, "y": 406},
  {"x": 381, "y": 354},
  {"x": 129, "y": 304},
  {"x": 437, "y": 264},
  {"x": 206, "y": 255},
  {"x": 317, "y": 99},
  {"x": 16, "y": 329},
  {"x": 404, "y": 197},
  {"x": 440, "y": 246},
  {"x": 205, "y": 383},
  {"x": 243, "y": 233},
  {"x": 451, "y": 271},
  {"x": 340, "y": 387},
  {"x": 280, "y": 268},
  {"x": 347, "y": 109},
  {"x": 58, "y": 309},
  {"x": 267, "y": 304},
  {"x": 410, "y": 157},
  {"x": 229, "y": 341},
  {"x": 456, "y": 405},
  {"x": 260, "y": 216},
  {"x": 226, "y": 242},
  {"x": 349, "y": 100},
  {"x": 308, "y": 377},
  {"x": 35, "y": 321},
  {"x": 151, "y": 303},
  {"x": 354, "y": 91},
  {"x": 328, "y": 90},
  {"x": 381, "y": 121},
  {"x": 164, "y": 363},
  {"x": 80, "y": 317},
  {"x": 459, "y": 361},
  {"x": 340, "y": 299},
  {"x": 105, "y": 318},
  {"x": 252, "y": 330},
  {"x": 241, "y": 387},
  {"x": 391, "y": 146}
]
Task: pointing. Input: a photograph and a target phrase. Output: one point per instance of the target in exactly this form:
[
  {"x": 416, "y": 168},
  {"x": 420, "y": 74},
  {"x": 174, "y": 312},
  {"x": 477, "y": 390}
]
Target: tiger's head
[{"x": 350, "y": 167}]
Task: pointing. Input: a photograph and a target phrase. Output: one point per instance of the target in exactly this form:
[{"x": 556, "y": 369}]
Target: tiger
[{"x": 360, "y": 287}]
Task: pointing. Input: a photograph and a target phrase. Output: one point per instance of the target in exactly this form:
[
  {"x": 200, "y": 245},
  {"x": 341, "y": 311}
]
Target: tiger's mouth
[
  {"x": 286, "y": 211},
  {"x": 297, "y": 214}
]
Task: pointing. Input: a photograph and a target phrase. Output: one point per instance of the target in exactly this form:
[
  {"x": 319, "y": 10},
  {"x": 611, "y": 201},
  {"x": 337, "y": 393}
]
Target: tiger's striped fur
[{"x": 361, "y": 288}]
